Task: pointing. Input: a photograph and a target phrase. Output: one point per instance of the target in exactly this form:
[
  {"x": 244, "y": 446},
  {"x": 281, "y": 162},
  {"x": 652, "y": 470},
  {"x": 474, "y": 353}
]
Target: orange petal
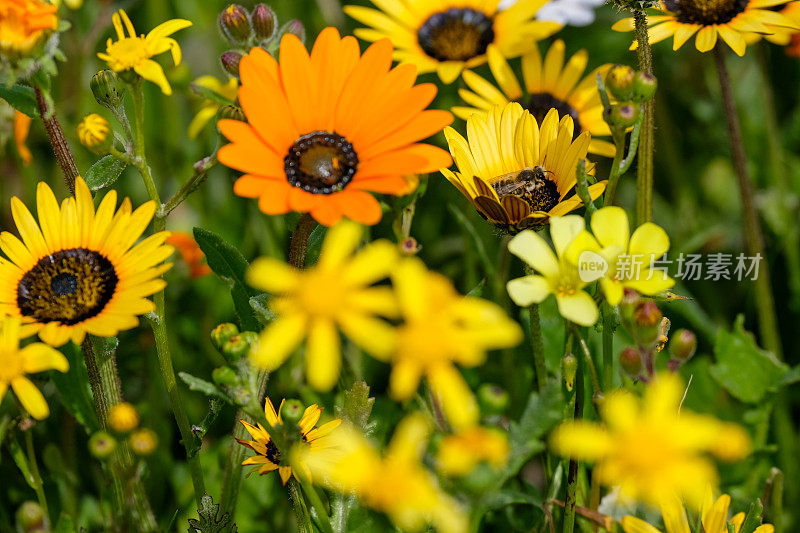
[
  {"x": 274, "y": 199},
  {"x": 360, "y": 206},
  {"x": 302, "y": 201},
  {"x": 299, "y": 83},
  {"x": 421, "y": 127},
  {"x": 374, "y": 63},
  {"x": 381, "y": 184},
  {"x": 327, "y": 212}
]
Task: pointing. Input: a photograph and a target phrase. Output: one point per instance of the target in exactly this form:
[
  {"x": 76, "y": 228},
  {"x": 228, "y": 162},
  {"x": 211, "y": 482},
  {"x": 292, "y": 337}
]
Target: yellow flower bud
[
  {"x": 93, "y": 132},
  {"x": 123, "y": 417},
  {"x": 143, "y": 441}
]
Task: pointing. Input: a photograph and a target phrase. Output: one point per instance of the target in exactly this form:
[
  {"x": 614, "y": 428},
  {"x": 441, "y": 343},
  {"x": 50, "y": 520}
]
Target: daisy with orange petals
[{"x": 326, "y": 129}]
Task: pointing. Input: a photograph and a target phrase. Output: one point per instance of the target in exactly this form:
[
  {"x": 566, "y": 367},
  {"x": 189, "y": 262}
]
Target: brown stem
[
  {"x": 57, "y": 140},
  {"x": 754, "y": 238}
]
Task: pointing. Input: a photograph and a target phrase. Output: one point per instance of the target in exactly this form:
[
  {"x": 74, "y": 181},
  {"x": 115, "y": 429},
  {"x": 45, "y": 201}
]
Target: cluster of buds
[
  {"x": 245, "y": 30},
  {"x": 123, "y": 423},
  {"x": 649, "y": 329},
  {"x": 630, "y": 89},
  {"x": 234, "y": 378}
]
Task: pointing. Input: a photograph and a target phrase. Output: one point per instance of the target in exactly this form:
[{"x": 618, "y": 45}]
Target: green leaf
[
  {"x": 753, "y": 518},
  {"x": 742, "y": 368},
  {"x": 210, "y": 94},
  {"x": 315, "y": 244},
  {"x": 21, "y": 98},
  {"x": 22, "y": 461},
  {"x": 504, "y": 498},
  {"x": 260, "y": 306},
  {"x": 210, "y": 520},
  {"x": 65, "y": 524},
  {"x": 229, "y": 264},
  {"x": 73, "y": 388},
  {"x": 200, "y": 385},
  {"x": 357, "y": 405},
  {"x": 104, "y": 172}
]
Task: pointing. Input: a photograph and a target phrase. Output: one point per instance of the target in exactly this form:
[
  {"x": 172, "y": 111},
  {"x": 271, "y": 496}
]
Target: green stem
[
  {"x": 582, "y": 188},
  {"x": 587, "y": 354},
  {"x": 159, "y": 321},
  {"x": 572, "y": 472},
  {"x": 312, "y": 495},
  {"x": 36, "y": 478},
  {"x": 644, "y": 173},
  {"x": 201, "y": 169},
  {"x": 754, "y": 239},
  {"x": 537, "y": 345},
  {"x": 609, "y": 325},
  {"x": 620, "y": 166},
  {"x": 299, "y": 506}
]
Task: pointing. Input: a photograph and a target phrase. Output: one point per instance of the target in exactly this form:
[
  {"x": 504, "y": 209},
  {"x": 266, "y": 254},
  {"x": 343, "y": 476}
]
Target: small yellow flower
[
  {"x": 395, "y": 483},
  {"x": 15, "y": 362},
  {"x": 652, "y": 448},
  {"x": 132, "y": 52},
  {"x": 24, "y": 23},
  {"x": 123, "y": 417},
  {"x": 268, "y": 456},
  {"x": 228, "y": 90},
  {"x": 441, "y": 328},
  {"x": 714, "y": 517},
  {"x": 143, "y": 441},
  {"x": 557, "y": 275},
  {"x": 461, "y": 452},
  {"x": 93, "y": 131},
  {"x": 336, "y": 293}
]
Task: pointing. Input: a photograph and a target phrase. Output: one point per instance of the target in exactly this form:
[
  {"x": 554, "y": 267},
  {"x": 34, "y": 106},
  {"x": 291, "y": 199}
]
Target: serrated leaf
[
  {"x": 210, "y": 94},
  {"x": 210, "y": 520},
  {"x": 73, "y": 388},
  {"x": 21, "y": 98},
  {"x": 742, "y": 368},
  {"x": 200, "y": 385},
  {"x": 104, "y": 172},
  {"x": 357, "y": 405},
  {"x": 260, "y": 306},
  {"x": 229, "y": 264}
]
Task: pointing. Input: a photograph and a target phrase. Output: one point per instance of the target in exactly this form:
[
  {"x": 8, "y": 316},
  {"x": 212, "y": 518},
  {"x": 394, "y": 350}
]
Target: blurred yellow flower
[
  {"x": 461, "y": 452},
  {"x": 135, "y": 52},
  {"x": 227, "y": 90},
  {"x": 143, "y": 441},
  {"x": 651, "y": 448},
  {"x": 15, "y": 362},
  {"x": 557, "y": 275},
  {"x": 395, "y": 483},
  {"x": 123, "y": 417},
  {"x": 440, "y": 328},
  {"x": 23, "y": 23},
  {"x": 336, "y": 293},
  {"x": 93, "y": 131},
  {"x": 268, "y": 456}
]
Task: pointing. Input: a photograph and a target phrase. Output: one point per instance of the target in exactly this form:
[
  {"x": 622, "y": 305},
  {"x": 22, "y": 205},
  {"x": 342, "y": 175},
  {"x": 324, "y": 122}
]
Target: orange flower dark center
[
  {"x": 321, "y": 162},
  {"x": 68, "y": 286},
  {"x": 457, "y": 34},
  {"x": 540, "y": 104},
  {"x": 705, "y": 12},
  {"x": 531, "y": 185}
]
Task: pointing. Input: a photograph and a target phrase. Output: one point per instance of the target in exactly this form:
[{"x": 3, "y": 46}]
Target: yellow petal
[
  {"x": 631, "y": 524},
  {"x": 563, "y": 230},
  {"x": 528, "y": 290},
  {"x": 706, "y": 38},
  {"x": 610, "y": 226},
  {"x": 271, "y": 275},
  {"x": 579, "y": 308},
  {"x": 152, "y": 71},
  {"x": 531, "y": 248},
  {"x": 38, "y": 357},
  {"x": 278, "y": 341},
  {"x": 30, "y": 398},
  {"x": 457, "y": 401},
  {"x": 323, "y": 356}
]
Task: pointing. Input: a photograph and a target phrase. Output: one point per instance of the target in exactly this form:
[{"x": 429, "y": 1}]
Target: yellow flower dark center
[
  {"x": 273, "y": 454},
  {"x": 530, "y": 185},
  {"x": 321, "y": 162},
  {"x": 457, "y": 34},
  {"x": 68, "y": 286},
  {"x": 706, "y": 12},
  {"x": 540, "y": 104}
]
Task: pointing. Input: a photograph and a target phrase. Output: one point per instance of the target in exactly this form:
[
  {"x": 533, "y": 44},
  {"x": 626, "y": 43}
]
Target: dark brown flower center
[
  {"x": 530, "y": 185},
  {"x": 705, "y": 12},
  {"x": 68, "y": 286},
  {"x": 273, "y": 453},
  {"x": 321, "y": 162},
  {"x": 457, "y": 34},
  {"x": 540, "y": 104}
]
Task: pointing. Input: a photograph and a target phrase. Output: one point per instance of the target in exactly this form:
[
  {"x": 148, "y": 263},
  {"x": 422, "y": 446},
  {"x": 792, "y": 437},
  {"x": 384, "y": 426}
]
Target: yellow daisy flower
[
  {"x": 15, "y": 362},
  {"x": 782, "y": 36},
  {"x": 132, "y": 52},
  {"x": 448, "y": 36},
  {"x": 730, "y": 20},
  {"x": 25, "y": 23},
  {"x": 548, "y": 84},
  {"x": 395, "y": 483},
  {"x": 461, "y": 452},
  {"x": 336, "y": 293},
  {"x": 515, "y": 171},
  {"x": 93, "y": 130},
  {"x": 652, "y": 448},
  {"x": 77, "y": 270},
  {"x": 628, "y": 257},
  {"x": 227, "y": 90},
  {"x": 556, "y": 274},
  {"x": 440, "y": 328},
  {"x": 714, "y": 517},
  {"x": 268, "y": 456}
]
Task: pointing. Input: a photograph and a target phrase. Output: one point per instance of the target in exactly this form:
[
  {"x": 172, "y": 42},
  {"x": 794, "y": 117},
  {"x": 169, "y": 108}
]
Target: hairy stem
[
  {"x": 754, "y": 238},
  {"x": 36, "y": 479},
  {"x": 608, "y": 345},
  {"x": 572, "y": 471},
  {"x": 537, "y": 346},
  {"x": 57, "y": 140},
  {"x": 644, "y": 171}
]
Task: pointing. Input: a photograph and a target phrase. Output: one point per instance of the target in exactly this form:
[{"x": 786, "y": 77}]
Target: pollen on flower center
[
  {"x": 540, "y": 104},
  {"x": 67, "y": 286},
  {"x": 321, "y": 162},
  {"x": 706, "y": 12},
  {"x": 127, "y": 53},
  {"x": 458, "y": 34}
]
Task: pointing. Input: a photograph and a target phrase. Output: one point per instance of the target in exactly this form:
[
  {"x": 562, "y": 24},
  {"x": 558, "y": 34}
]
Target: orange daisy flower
[{"x": 325, "y": 128}]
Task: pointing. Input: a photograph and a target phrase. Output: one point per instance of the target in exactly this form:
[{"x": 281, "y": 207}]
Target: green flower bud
[
  {"x": 108, "y": 89},
  {"x": 225, "y": 375},
  {"x": 630, "y": 360},
  {"x": 221, "y": 334},
  {"x": 646, "y": 319},
  {"x": 493, "y": 399},
  {"x": 230, "y": 62},
  {"x": 264, "y": 21},
  {"x": 569, "y": 367},
  {"x": 295, "y": 27},
  {"x": 682, "y": 345},
  {"x": 619, "y": 81},
  {"x": 102, "y": 445},
  {"x": 622, "y": 115},
  {"x": 234, "y": 23},
  {"x": 644, "y": 86},
  {"x": 235, "y": 348},
  {"x": 292, "y": 411},
  {"x": 233, "y": 112},
  {"x": 30, "y": 516}
]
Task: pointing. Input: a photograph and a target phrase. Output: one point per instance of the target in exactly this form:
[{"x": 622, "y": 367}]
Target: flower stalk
[
  {"x": 644, "y": 171},
  {"x": 57, "y": 140},
  {"x": 572, "y": 470},
  {"x": 537, "y": 346}
]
